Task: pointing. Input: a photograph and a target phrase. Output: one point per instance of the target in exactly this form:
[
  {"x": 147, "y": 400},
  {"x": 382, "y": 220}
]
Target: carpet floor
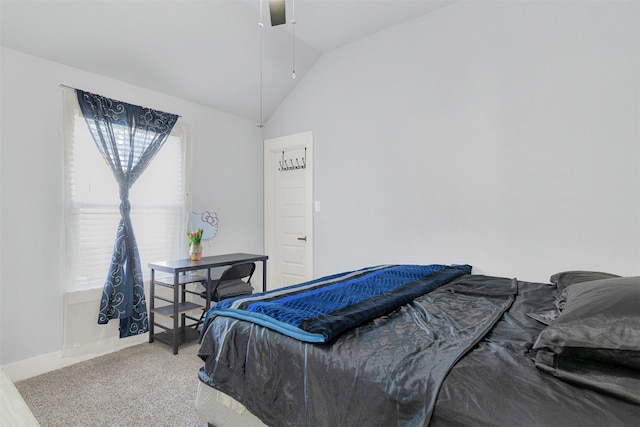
[{"x": 144, "y": 385}]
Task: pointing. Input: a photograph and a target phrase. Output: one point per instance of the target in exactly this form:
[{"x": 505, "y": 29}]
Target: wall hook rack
[{"x": 289, "y": 165}]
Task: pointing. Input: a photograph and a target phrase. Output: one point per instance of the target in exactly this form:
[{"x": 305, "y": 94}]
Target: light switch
[{"x": 318, "y": 206}]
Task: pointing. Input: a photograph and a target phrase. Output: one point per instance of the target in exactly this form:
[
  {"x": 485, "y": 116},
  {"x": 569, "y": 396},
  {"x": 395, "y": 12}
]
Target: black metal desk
[{"x": 178, "y": 307}]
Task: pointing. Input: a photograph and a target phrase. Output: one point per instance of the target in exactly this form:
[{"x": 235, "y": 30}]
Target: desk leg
[
  {"x": 151, "y": 304},
  {"x": 209, "y": 284},
  {"x": 176, "y": 301},
  {"x": 183, "y": 316},
  {"x": 264, "y": 276}
]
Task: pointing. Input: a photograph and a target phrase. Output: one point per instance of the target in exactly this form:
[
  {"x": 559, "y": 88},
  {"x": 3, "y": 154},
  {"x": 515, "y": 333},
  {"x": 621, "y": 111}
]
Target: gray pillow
[
  {"x": 562, "y": 281},
  {"x": 601, "y": 319},
  {"x": 565, "y": 279}
]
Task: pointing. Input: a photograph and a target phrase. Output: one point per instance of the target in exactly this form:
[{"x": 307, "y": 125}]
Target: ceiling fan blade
[{"x": 277, "y": 11}]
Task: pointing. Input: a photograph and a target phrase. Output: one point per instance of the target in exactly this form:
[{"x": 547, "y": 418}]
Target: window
[{"x": 158, "y": 203}]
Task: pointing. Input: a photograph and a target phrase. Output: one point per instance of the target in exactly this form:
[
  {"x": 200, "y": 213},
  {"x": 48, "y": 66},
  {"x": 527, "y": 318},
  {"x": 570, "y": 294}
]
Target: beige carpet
[{"x": 144, "y": 385}]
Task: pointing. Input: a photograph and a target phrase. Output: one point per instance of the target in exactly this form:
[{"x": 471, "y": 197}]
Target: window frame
[{"x": 74, "y": 280}]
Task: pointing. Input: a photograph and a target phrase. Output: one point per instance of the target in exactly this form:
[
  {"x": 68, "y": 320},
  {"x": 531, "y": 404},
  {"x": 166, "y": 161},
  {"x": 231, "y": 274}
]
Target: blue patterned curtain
[{"x": 128, "y": 136}]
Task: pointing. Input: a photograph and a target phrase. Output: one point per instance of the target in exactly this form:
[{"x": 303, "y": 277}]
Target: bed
[{"x": 407, "y": 345}]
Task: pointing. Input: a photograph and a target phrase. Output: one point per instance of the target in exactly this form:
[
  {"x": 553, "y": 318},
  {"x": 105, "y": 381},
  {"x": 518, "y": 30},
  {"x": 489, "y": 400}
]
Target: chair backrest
[
  {"x": 231, "y": 283},
  {"x": 239, "y": 271}
]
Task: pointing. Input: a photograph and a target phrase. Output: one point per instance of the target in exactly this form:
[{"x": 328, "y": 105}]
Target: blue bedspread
[{"x": 320, "y": 310}]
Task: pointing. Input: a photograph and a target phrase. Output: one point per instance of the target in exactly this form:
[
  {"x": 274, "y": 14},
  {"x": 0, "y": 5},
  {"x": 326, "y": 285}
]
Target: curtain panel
[{"x": 128, "y": 137}]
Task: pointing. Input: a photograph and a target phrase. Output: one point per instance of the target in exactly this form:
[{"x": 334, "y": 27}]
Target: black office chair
[{"x": 234, "y": 281}]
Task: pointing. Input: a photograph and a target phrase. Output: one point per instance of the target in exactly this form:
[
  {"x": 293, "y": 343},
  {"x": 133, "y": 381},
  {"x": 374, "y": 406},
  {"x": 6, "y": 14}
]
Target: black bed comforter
[
  {"x": 385, "y": 372},
  {"x": 458, "y": 356}
]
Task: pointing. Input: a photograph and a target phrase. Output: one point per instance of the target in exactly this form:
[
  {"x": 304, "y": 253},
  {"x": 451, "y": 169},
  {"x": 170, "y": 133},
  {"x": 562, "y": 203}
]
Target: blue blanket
[{"x": 320, "y": 310}]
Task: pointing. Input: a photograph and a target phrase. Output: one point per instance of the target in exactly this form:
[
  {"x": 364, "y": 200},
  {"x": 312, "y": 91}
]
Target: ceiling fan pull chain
[
  {"x": 261, "y": 25},
  {"x": 293, "y": 41}
]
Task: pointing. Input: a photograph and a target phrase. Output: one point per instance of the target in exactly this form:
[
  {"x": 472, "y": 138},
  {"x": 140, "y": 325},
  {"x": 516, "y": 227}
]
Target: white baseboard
[{"x": 23, "y": 369}]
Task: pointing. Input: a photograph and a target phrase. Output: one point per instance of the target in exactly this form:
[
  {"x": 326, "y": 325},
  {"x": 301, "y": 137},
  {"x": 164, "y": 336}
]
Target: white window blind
[{"x": 158, "y": 203}]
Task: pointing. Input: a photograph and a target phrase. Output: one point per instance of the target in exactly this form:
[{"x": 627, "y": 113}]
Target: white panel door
[{"x": 289, "y": 209}]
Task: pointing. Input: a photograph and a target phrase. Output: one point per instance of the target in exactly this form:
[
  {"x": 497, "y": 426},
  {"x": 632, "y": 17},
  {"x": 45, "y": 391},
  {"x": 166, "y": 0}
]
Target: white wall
[
  {"x": 226, "y": 177},
  {"x": 500, "y": 134}
]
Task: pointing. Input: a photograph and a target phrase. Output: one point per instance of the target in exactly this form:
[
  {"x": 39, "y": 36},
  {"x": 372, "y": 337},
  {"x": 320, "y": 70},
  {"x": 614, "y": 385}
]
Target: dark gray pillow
[
  {"x": 568, "y": 278},
  {"x": 601, "y": 317},
  {"x": 562, "y": 281}
]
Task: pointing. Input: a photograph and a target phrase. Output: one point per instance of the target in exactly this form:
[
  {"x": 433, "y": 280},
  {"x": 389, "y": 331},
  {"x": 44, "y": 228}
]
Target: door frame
[{"x": 275, "y": 146}]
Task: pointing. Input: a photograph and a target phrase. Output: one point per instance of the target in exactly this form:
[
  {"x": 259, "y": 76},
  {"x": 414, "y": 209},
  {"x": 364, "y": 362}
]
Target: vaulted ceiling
[{"x": 204, "y": 51}]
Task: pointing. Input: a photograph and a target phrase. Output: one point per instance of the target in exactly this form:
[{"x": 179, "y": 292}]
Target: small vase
[{"x": 195, "y": 252}]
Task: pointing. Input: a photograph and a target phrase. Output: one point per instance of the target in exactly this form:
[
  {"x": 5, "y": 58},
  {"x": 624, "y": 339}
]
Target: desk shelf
[
  {"x": 181, "y": 332},
  {"x": 183, "y": 279},
  {"x": 184, "y": 335},
  {"x": 183, "y": 307}
]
